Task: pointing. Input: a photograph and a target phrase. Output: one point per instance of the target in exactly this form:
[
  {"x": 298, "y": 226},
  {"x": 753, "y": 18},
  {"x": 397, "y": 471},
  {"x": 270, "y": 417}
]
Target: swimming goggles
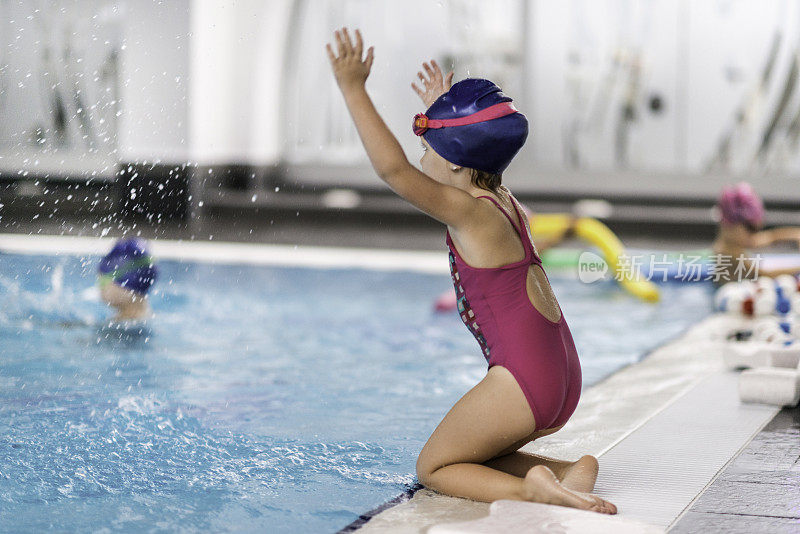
[
  {"x": 422, "y": 123},
  {"x": 105, "y": 279}
]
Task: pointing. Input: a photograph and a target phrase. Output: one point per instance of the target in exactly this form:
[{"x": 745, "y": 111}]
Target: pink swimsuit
[{"x": 539, "y": 353}]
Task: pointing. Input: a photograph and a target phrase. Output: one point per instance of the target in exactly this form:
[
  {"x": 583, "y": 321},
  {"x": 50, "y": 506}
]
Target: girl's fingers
[
  {"x": 370, "y": 57},
  {"x": 448, "y": 81},
  {"x": 424, "y": 78},
  {"x": 437, "y": 72},
  {"x": 417, "y": 89},
  {"x": 331, "y": 55},
  {"x": 359, "y": 48},
  {"x": 428, "y": 69},
  {"x": 339, "y": 44},
  {"x": 348, "y": 44},
  {"x": 423, "y": 66}
]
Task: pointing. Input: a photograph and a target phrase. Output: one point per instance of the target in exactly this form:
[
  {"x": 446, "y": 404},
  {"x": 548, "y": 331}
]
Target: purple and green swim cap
[
  {"x": 741, "y": 204},
  {"x": 129, "y": 265},
  {"x": 474, "y": 125}
]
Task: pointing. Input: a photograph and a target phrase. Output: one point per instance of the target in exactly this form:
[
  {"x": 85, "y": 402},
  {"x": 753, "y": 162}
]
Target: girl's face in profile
[
  {"x": 433, "y": 164},
  {"x": 752, "y": 227},
  {"x": 742, "y": 233},
  {"x": 117, "y": 296}
]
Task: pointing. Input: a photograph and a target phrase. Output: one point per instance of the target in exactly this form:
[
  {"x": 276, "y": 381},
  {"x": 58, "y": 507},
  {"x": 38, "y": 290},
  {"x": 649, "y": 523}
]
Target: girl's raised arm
[
  {"x": 351, "y": 68},
  {"x": 783, "y": 233}
]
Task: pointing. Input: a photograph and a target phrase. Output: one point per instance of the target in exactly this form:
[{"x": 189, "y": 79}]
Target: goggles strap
[
  {"x": 422, "y": 123},
  {"x": 131, "y": 265}
]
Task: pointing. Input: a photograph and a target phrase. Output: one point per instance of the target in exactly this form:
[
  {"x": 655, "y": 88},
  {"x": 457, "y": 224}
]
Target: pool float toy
[
  {"x": 598, "y": 234},
  {"x": 764, "y": 296},
  {"x": 752, "y": 354},
  {"x": 777, "y": 387},
  {"x": 789, "y": 283},
  {"x": 129, "y": 265},
  {"x": 736, "y": 298},
  {"x": 446, "y": 302}
]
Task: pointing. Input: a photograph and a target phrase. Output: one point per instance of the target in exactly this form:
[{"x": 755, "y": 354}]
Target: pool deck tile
[
  {"x": 708, "y": 523},
  {"x": 658, "y": 470},
  {"x": 759, "y": 491}
]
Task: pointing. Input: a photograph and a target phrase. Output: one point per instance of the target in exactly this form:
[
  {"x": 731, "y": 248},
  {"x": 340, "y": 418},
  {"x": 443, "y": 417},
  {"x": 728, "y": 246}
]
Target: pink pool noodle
[{"x": 446, "y": 301}]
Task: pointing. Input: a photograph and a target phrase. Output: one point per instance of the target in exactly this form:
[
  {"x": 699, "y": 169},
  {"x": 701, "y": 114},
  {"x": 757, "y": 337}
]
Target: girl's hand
[
  {"x": 348, "y": 67},
  {"x": 435, "y": 84}
]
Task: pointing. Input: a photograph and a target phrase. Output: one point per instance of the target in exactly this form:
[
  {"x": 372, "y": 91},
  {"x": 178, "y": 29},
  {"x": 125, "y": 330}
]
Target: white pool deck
[{"x": 662, "y": 428}]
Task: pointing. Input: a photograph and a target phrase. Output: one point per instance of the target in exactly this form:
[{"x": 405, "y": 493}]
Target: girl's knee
[
  {"x": 425, "y": 468},
  {"x": 422, "y": 470}
]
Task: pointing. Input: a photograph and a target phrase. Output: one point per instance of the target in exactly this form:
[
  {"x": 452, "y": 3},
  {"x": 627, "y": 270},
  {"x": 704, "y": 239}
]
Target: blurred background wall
[{"x": 627, "y": 98}]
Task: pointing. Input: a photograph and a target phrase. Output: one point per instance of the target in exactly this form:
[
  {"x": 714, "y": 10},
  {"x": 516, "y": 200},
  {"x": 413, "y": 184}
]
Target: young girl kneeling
[{"x": 470, "y": 133}]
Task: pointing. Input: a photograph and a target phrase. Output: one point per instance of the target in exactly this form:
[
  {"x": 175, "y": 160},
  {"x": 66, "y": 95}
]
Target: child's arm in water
[
  {"x": 445, "y": 203},
  {"x": 768, "y": 237}
]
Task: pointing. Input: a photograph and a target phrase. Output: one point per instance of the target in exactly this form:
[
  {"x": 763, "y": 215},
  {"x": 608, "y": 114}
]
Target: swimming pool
[{"x": 261, "y": 399}]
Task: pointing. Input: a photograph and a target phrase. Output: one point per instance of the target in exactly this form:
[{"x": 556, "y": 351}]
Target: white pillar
[
  {"x": 236, "y": 64},
  {"x": 154, "y": 73}
]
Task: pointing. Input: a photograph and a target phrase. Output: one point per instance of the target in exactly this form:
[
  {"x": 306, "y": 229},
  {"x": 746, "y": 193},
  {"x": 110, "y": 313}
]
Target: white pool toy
[
  {"x": 731, "y": 297},
  {"x": 788, "y": 283},
  {"x": 765, "y": 300},
  {"x": 764, "y": 296},
  {"x": 777, "y": 387},
  {"x": 759, "y": 354},
  {"x": 769, "y": 330},
  {"x": 511, "y": 517}
]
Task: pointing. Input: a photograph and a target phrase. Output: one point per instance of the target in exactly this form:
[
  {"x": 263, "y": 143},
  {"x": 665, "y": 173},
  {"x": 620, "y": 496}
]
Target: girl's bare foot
[
  {"x": 541, "y": 485},
  {"x": 581, "y": 475}
]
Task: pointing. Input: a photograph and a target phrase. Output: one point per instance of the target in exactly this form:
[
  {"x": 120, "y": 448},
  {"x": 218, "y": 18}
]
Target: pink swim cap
[{"x": 741, "y": 204}]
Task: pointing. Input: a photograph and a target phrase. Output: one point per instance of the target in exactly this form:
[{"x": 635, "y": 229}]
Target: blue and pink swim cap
[
  {"x": 741, "y": 204},
  {"x": 474, "y": 125},
  {"x": 129, "y": 265}
]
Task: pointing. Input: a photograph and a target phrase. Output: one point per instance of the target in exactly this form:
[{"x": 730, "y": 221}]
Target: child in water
[
  {"x": 741, "y": 215},
  {"x": 469, "y": 135},
  {"x": 125, "y": 275}
]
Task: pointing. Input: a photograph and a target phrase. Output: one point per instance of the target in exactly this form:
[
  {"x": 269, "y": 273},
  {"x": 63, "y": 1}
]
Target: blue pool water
[{"x": 260, "y": 399}]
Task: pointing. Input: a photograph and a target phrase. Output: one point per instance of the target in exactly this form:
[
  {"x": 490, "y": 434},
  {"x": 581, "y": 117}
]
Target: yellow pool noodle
[{"x": 598, "y": 234}]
